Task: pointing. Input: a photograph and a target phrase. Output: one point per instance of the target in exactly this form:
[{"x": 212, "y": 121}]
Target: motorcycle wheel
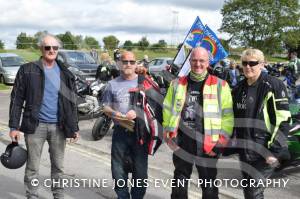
[{"x": 101, "y": 127}]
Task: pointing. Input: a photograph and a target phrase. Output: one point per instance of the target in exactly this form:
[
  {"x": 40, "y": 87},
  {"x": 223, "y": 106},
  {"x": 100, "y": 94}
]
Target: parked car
[
  {"x": 160, "y": 64},
  {"x": 9, "y": 66},
  {"x": 80, "y": 63}
]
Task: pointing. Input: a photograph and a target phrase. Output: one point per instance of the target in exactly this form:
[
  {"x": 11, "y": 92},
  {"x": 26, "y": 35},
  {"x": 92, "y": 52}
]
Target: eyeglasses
[
  {"x": 47, "y": 48},
  {"x": 250, "y": 63},
  {"x": 202, "y": 61},
  {"x": 126, "y": 62}
]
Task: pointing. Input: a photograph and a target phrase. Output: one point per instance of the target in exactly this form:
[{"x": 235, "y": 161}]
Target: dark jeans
[
  {"x": 190, "y": 153},
  {"x": 124, "y": 142},
  {"x": 263, "y": 171}
]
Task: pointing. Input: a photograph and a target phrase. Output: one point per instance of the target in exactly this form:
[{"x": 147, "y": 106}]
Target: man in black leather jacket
[
  {"x": 261, "y": 121},
  {"x": 47, "y": 88}
]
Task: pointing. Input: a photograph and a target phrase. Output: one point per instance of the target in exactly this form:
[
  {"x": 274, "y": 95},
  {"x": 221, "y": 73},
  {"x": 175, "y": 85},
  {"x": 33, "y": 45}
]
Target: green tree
[
  {"x": 110, "y": 42},
  {"x": 143, "y": 43},
  {"x": 225, "y": 44},
  {"x": 79, "y": 41},
  {"x": 292, "y": 41},
  {"x": 91, "y": 42},
  {"x": 25, "y": 41},
  {"x": 1, "y": 44},
  {"x": 160, "y": 46},
  {"x": 128, "y": 45},
  {"x": 69, "y": 41},
  {"x": 260, "y": 23},
  {"x": 162, "y": 43}
]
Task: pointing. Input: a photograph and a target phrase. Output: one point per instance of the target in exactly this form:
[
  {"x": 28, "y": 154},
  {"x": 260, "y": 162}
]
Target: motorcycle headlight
[{"x": 95, "y": 93}]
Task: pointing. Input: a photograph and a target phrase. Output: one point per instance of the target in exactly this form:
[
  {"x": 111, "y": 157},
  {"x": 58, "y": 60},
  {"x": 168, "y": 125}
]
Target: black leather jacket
[
  {"x": 254, "y": 111},
  {"x": 29, "y": 89}
]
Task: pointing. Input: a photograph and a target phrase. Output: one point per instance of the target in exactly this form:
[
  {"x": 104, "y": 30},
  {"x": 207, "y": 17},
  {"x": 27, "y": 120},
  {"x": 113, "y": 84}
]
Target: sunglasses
[
  {"x": 47, "y": 48},
  {"x": 126, "y": 62},
  {"x": 250, "y": 63}
]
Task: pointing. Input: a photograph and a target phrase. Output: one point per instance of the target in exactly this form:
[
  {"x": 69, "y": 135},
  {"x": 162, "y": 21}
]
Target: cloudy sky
[{"x": 126, "y": 19}]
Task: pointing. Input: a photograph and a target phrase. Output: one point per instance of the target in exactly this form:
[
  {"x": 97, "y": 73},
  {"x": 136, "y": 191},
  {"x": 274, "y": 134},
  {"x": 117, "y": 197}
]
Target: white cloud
[{"x": 126, "y": 19}]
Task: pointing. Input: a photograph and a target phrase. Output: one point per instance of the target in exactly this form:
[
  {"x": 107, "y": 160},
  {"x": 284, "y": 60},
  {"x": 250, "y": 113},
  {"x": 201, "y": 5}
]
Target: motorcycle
[
  {"x": 293, "y": 141},
  {"x": 101, "y": 127},
  {"x": 88, "y": 98},
  {"x": 103, "y": 123},
  {"x": 293, "y": 138}
]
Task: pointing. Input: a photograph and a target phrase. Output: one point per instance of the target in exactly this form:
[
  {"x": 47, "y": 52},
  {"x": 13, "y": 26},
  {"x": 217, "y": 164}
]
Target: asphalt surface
[{"x": 88, "y": 159}]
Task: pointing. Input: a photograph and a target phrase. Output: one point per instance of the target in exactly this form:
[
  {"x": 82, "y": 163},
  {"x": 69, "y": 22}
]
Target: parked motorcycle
[
  {"x": 101, "y": 127},
  {"x": 293, "y": 145},
  {"x": 88, "y": 98}
]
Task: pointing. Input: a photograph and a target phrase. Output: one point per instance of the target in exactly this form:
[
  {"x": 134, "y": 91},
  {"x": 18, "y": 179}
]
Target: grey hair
[{"x": 42, "y": 37}]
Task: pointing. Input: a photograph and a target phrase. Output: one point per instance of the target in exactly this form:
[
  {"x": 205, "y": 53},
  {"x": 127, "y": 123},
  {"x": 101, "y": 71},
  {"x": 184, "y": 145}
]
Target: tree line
[{"x": 74, "y": 42}]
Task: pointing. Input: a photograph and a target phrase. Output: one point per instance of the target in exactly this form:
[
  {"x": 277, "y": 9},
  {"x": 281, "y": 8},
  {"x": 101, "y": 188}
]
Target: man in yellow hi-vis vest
[{"x": 198, "y": 122}]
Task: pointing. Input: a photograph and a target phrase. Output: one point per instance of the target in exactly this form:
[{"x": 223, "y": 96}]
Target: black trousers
[
  {"x": 184, "y": 159},
  {"x": 261, "y": 171}
]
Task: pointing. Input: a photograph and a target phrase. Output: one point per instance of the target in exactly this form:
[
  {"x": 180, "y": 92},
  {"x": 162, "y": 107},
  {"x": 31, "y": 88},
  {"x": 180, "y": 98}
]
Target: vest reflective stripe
[
  {"x": 209, "y": 96},
  {"x": 227, "y": 111},
  {"x": 212, "y": 125},
  {"x": 212, "y": 115}
]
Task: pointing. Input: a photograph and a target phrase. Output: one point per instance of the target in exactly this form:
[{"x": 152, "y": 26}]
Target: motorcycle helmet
[{"x": 14, "y": 156}]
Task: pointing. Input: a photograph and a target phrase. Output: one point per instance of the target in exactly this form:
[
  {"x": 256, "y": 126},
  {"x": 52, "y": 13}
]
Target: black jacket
[
  {"x": 262, "y": 116},
  {"x": 29, "y": 89}
]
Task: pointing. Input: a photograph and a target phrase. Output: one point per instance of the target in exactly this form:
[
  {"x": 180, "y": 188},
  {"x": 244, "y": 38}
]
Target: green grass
[
  {"x": 3, "y": 87},
  {"x": 276, "y": 59},
  {"x": 27, "y": 54},
  {"x": 151, "y": 54},
  {"x": 154, "y": 54},
  {"x": 32, "y": 54},
  {"x": 268, "y": 58}
]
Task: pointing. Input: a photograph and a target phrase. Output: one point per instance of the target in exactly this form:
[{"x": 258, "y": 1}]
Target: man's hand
[
  {"x": 75, "y": 138},
  {"x": 15, "y": 135},
  {"x": 212, "y": 154},
  {"x": 169, "y": 138},
  {"x": 131, "y": 115},
  {"x": 141, "y": 70},
  {"x": 272, "y": 161}
]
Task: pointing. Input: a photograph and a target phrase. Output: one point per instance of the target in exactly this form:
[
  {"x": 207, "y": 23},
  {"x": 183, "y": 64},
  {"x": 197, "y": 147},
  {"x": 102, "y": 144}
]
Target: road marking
[
  {"x": 101, "y": 159},
  {"x": 106, "y": 161},
  {"x": 3, "y": 128},
  {"x": 91, "y": 155}
]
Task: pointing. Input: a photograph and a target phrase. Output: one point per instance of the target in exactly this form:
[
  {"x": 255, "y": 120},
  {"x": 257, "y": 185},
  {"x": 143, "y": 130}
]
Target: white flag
[
  {"x": 179, "y": 59},
  {"x": 186, "y": 68}
]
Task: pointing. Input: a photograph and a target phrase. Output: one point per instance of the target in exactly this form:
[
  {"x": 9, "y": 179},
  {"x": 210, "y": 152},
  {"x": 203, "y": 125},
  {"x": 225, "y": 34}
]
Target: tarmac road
[{"x": 90, "y": 159}]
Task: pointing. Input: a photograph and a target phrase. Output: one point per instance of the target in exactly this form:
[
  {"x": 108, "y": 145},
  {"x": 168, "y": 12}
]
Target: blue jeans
[{"x": 124, "y": 142}]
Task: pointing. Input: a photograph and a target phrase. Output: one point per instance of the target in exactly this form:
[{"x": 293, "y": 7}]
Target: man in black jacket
[
  {"x": 47, "y": 88},
  {"x": 261, "y": 122}
]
